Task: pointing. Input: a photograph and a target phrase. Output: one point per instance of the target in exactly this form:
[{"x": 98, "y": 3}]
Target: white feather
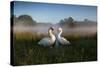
[
  {"x": 45, "y": 42},
  {"x": 48, "y": 41},
  {"x": 61, "y": 40}
]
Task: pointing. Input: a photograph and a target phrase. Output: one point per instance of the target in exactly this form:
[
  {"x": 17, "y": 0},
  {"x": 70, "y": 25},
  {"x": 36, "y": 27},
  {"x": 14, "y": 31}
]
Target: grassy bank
[{"x": 27, "y": 51}]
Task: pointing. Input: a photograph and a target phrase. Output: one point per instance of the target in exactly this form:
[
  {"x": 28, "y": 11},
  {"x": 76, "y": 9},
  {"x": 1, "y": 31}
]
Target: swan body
[
  {"x": 48, "y": 41},
  {"x": 61, "y": 40}
]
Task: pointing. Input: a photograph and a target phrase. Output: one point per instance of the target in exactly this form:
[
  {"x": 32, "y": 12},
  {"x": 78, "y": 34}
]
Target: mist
[{"x": 43, "y": 29}]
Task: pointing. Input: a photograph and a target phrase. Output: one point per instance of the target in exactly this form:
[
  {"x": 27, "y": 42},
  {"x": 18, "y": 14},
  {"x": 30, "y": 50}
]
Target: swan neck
[
  {"x": 50, "y": 33},
  {"x": 60, "y": 33}
]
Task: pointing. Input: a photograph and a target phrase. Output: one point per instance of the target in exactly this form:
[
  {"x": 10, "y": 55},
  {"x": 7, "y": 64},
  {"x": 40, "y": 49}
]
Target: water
[{"x": 44, "y": 29}]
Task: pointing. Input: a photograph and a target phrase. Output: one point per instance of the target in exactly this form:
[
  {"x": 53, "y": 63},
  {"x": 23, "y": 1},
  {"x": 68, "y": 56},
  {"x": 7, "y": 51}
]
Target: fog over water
[{"x": 82, "y": 30}]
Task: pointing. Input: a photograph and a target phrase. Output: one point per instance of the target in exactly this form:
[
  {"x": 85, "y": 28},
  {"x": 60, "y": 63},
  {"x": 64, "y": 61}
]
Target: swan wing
[
  {"x": 45, "y": 42},
  {"x": 63, "y": 41}
]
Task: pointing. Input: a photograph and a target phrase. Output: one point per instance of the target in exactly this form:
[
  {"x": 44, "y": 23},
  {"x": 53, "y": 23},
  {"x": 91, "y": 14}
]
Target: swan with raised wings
[
  {"x": 48, "y": 41},
  {"x": 61, "y": 40}
]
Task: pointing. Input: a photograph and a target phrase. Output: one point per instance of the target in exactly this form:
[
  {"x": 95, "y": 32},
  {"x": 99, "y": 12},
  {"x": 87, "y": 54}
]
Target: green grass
[{"x": 28, "y": 52}]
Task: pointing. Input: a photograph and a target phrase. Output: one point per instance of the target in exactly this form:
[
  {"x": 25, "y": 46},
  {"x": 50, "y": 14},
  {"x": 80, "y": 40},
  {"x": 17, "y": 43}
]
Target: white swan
[
  {"x": 61, "y": 40},
  {"x": 48, "y": 41}
]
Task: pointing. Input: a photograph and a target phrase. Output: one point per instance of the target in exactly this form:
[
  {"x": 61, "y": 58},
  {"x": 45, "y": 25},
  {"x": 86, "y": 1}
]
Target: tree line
[
  {"x": 68, "y": 21},
  {"x": 23, "y": 19},
  {"x": 28, "y": 20}
]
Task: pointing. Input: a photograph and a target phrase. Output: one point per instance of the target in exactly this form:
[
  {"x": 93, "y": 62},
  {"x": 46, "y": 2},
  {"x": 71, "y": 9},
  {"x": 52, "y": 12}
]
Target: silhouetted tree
[
  {"x": 70, "y": 19},
  {"x": 85, "y": 20},
  {"x": 26, "y": 20},
  {"x": 62, "y": 22},
  {"x": 70, "y": 22}
]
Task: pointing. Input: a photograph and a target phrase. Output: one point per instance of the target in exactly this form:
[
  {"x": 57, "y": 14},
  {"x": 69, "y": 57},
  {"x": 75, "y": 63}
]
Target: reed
[{"x": 27, "y": 51}]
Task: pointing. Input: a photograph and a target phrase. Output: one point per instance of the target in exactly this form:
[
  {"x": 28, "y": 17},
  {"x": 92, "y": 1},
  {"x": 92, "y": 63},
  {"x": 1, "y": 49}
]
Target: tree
[
  {"x": 68, "y": 22},
  {"x": 65, "y": 20},
  {"x": 26, "y": 20},
  {"x": 70, "y": 19},
  {"x": 71, "y": 22},
  {"x": 61, "y": 22},
  {"x": 85, "y": 20}
]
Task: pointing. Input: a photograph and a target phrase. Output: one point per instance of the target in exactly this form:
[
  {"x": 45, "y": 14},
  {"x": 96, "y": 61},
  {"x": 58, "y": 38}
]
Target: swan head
[
  {"x": 51, "y": 28},
  {"x": 60, "y": 29}
]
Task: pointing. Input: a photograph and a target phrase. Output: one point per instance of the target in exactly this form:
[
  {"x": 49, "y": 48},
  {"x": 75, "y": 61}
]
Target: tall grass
[{"x": 27, "y": 51}]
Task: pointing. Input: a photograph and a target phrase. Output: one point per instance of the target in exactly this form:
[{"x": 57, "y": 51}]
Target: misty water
[{"x": 82, "y": 30}]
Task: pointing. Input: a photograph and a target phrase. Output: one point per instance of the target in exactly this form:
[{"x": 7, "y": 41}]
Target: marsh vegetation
[{"x": 26, "y": 51}]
